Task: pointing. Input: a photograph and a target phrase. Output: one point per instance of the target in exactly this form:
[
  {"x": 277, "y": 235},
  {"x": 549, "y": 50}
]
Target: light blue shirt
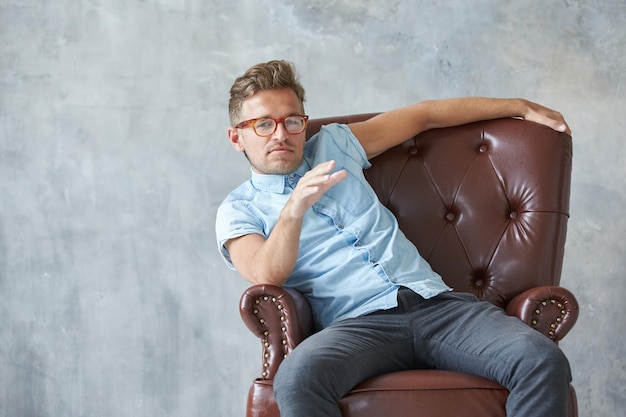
[{"x": 353, "y": 256}]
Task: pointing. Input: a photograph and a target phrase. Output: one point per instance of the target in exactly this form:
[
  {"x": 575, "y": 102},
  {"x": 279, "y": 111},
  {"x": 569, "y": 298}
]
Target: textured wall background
[{"x": 114, "y": 158}]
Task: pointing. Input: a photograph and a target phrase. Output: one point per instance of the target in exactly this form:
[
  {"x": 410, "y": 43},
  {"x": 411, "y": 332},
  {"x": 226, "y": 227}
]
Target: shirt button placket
[{"x": 291, "y": 179}]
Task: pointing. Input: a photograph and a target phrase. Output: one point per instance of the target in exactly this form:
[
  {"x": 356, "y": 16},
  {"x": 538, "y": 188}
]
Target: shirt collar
[
  {"x": 275, "y": 183},
  {"x": 268, "y": 182}
]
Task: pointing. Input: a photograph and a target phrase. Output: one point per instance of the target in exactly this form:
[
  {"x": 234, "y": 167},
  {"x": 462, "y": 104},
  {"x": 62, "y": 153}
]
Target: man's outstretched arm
[{"x": 394, "y": 127}]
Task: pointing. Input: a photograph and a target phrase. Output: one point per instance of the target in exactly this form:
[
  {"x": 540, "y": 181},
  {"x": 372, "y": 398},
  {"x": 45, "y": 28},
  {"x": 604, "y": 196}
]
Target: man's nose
[{"x": 280, "y": 133}]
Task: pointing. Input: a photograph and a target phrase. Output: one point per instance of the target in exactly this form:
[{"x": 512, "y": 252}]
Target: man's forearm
[
  {"x": 458, "y": 111},
  {"x": 272, "y": 260},
  {"x": 392, "y": 128},
  {"x": 276, "y": 258}
]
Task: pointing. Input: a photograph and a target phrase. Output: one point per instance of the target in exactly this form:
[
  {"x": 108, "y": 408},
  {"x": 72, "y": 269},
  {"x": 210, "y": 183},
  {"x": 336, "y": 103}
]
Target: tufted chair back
[
  {"x": 487, "y": 205},
  {"x": 484, "y": 208}
]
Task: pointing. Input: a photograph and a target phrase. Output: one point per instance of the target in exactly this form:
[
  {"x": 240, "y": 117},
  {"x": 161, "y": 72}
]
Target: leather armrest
[
  {"x": 280, "y": 317},
  {"x": 551, "y": 310}
]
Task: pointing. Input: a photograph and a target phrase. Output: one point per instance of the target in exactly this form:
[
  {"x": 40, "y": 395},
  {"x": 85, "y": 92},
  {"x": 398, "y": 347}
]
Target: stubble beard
[{"x": 274, "y": 168}]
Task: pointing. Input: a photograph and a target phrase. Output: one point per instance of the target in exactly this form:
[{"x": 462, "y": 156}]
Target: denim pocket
[{"x": 350, "y": 196}]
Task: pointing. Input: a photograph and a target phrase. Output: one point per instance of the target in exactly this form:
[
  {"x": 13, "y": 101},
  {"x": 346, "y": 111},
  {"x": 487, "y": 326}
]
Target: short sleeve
[
  {"x": 336, "y": 141},
  {"x": 234, "y": 220}
]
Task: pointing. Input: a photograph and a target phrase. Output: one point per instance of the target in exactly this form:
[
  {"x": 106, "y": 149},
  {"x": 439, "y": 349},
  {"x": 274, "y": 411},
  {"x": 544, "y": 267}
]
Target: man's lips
[{"x": 280, "y": 150}]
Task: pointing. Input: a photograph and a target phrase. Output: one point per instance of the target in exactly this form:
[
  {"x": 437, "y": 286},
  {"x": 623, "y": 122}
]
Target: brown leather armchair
[{"x": 487, "y": 205}]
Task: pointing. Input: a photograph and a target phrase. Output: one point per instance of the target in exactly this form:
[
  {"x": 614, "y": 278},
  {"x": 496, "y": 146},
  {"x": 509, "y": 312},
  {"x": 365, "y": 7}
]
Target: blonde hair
[{"x": 272, "y": 75}]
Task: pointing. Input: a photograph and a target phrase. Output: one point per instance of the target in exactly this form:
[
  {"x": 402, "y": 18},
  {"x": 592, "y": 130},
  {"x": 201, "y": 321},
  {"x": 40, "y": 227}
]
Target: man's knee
[
  {"x": 541, "y": 356},
  {"x": 301, "y": 372},
  {"x": 292, "y": 370},
  {"x": 555, "y": 360}
]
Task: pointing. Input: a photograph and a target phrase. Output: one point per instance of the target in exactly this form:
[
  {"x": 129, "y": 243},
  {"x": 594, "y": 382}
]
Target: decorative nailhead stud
[
  {"x": 267, "y": 354},
  {"x": 557, "y": 320}
]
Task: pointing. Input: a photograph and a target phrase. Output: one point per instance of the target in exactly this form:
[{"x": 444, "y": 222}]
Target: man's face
[{"x": 279, "y": 153}]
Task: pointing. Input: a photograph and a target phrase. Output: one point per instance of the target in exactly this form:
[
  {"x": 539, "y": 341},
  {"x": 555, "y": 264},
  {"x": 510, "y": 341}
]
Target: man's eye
[
  {"x": 293, "y": 122},
  {"x": 264, "y": 124}
]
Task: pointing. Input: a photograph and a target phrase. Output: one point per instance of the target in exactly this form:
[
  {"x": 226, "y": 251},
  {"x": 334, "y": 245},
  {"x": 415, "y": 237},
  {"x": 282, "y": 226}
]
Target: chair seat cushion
[{"x": 429, "y": 393}]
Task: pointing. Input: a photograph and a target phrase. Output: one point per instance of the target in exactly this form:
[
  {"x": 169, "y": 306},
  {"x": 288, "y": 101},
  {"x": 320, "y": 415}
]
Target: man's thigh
[
  {"x": 454, "y": 331},
  {"x": 348, "y": 352}
]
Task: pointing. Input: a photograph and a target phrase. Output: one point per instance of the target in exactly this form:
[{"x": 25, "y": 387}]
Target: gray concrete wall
[{"x": 114, "y": 158}]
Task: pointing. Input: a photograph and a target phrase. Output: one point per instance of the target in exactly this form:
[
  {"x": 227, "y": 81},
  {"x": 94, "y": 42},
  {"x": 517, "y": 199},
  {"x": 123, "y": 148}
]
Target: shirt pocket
[{"x": 346, "y": 201}]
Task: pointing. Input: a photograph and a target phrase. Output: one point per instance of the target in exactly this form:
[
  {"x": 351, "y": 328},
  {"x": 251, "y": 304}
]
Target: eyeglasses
[{"x": 266, "y": 126}]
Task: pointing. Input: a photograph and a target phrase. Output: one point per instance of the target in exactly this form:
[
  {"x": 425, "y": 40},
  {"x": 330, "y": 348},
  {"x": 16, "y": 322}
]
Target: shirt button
[{"x": 340, "y": 226}]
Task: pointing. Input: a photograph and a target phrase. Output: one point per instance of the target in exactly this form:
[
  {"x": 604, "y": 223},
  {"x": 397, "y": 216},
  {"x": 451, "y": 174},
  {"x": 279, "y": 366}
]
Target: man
[{"x": 309, "y": 220}]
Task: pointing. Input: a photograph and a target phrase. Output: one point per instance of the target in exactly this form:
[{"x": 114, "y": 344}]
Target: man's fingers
[
  {"x": 338, "y": 176},
  {"x": 323, "y": 168}
]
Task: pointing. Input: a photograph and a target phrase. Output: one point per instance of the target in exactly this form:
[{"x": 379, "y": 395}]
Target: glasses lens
[
  {"x": 264, "y": 127},
  {"x": 295, "y": 124}
]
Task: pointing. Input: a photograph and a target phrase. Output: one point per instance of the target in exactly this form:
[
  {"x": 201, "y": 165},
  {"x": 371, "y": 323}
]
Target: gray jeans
[{"x": 452, "y": 331}]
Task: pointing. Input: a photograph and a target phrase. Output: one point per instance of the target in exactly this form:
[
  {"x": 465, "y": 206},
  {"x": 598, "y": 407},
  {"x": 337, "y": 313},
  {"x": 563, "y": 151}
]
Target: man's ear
[{"x": 235, "y": 139}]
